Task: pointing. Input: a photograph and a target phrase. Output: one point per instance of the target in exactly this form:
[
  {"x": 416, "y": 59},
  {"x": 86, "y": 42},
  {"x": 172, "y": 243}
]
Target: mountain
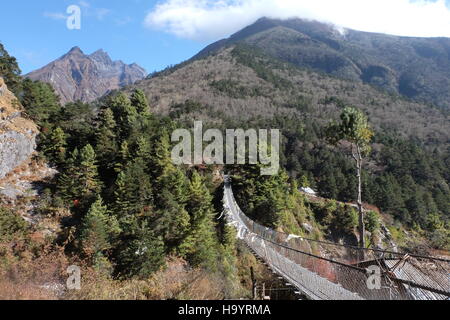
[
  {"x": 242, "y": 83},
  {"x": 418, "y": 68},
  {"x": 77, "y": 76}
]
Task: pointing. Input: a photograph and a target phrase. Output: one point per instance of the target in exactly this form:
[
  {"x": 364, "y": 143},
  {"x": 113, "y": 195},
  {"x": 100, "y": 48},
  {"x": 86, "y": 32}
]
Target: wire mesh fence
[{"x": 328, "y": 271}]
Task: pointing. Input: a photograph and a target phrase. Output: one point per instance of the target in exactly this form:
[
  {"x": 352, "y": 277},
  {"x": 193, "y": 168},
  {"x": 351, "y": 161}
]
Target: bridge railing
[{"x": 324, "y": 270}]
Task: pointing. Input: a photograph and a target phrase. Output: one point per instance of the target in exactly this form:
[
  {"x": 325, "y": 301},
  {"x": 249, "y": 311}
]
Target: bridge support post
[{"x": 254, "y": 284}]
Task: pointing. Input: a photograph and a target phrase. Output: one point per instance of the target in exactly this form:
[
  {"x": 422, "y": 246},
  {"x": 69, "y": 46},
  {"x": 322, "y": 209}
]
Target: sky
[{"x": 159, "y": 33}]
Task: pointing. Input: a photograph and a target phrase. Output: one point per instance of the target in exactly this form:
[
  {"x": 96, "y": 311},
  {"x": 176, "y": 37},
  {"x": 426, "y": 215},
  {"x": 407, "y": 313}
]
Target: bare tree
[{"x": 354, "y": 128}]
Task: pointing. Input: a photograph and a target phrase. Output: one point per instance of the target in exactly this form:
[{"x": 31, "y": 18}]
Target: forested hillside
[
  {"x": 406, "y": 175},
  {"x": 417, "y": 68}
]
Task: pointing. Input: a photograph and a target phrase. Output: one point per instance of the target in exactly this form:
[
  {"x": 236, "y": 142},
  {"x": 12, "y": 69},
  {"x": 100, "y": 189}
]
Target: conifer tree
[
  {"x": 106, "y": 138},
  {"x": 99, "y": 231},
  {"x": 261, "y": 197},
  {"x": 67, "y": 186},
  {"x": 80, "y": 181},
  {"x": 139, "y": 101},
  {"x": 9, "y": 70},
  {"x": 87, "y": 176},
  {"x": 141, "y": 254},
  {"x": 40, "y": 101},
  {"x": 178, "y": 184},
  {"x": 133, "y": 195},
  {"x": 125, "y": 115},
  {"x": 161, "y": 163},
  {"x": 123, "y": 157},
  {"x": 200, "y": 246},
  {"x": 173, "y": 221},
  {"x": 54, "y": 146},
  {"x": 144, "y": 150}
]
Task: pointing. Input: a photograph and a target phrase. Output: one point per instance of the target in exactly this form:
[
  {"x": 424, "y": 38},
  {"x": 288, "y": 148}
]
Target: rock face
[
  {"x": 17, "y": 134},
  {"x": 76, "y": 76}
]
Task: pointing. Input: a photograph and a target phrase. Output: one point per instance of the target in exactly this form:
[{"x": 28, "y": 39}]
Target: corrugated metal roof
[{"x": 410, "y": 271}]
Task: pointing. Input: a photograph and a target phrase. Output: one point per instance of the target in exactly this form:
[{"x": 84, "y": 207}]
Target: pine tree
[
  {"x": 304, "y": 181},
  {"x": 123, "y": 158},
  {"x": 177, "y": 183},
  {"x": 173, "y": 221},
  {"x": 87, "y": 172},
  {"x": 106, "y": 138},
  {"x": 143, "y": 149},
  {"x": 98, "y": 231},
  {"x": 12, "y": 225},
  {"x": 40, "y": 101},
  {"x": 54, "y": 147},
  {"x": 133, "y": 195},
  {"x": 161, "y": 163},
  {"x": 125, "y": 115},
  {"x": 80, "y": 182},
  {"x": 261, "y": 197},
  {"x": 141, "y": 254},
  {"x": 200, "y": 246},
  {"x": 9, "y": 70},
  {"x": 67, "y": 185},
  {"x": 139, "y": 101}
]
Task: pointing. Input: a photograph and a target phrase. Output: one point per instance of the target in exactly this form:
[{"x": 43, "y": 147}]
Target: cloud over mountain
[{"x": 207, "y": 20}]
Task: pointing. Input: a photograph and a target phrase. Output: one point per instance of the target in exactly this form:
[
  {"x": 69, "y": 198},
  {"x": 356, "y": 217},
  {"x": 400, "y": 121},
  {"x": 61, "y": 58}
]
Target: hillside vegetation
[
  {"x": 418, "y": 68},
  {"x": 407, "y": 172},
  {"x": 243, "y": 78}
]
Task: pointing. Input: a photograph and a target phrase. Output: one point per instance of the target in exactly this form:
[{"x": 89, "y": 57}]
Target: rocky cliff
[
  {"x": 17, "y": 134},
  {"x": 77, "y": 76}
]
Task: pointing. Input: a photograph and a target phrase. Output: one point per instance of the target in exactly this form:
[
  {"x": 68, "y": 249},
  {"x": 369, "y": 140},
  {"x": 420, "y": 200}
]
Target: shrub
[
  {"x": 11, "y": 225},
  {"x": 372, "y": 221}
]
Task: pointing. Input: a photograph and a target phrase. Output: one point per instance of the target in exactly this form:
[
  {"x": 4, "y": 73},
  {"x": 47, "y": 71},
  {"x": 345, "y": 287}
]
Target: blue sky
[
  {"x": 35, "y": 33},
  {"x": 158, "y": 33}
]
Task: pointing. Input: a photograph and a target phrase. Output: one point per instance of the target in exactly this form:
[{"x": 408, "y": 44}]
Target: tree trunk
[{"x": 361, "y": 228}]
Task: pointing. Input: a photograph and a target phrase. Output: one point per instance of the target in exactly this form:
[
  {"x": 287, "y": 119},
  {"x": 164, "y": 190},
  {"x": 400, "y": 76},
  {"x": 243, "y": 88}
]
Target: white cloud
[
  {"x": 84, "y": 4},
  {"x": 123, "y": 21},
  {"x": 214, "y": 19},
  {"x": 101, "y": 13},
  {"x": 86, "y": 11},
  {"x": 55, "y": 15}
]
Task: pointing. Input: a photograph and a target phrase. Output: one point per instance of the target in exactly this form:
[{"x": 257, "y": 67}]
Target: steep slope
[
  {"x": 406, "y": 175},
  {"x": 242, "y": 83},
  {"x": 17, "y": 134},
  {"x": 242, "y": 86},
  {"x": 417, "y": 68},
  {"x": 76, "y": 76}
]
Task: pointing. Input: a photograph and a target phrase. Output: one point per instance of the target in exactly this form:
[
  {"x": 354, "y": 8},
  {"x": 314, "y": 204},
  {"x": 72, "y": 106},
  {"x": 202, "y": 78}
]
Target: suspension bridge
[{"x": 323, "y": 270}]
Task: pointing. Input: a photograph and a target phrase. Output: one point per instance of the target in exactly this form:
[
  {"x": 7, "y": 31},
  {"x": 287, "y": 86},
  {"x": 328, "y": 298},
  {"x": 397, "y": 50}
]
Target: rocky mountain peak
[
  {"x": 75, "y": 51},
  {"x": 101, "y": 56},
  {"x": 78, "y": 76}
]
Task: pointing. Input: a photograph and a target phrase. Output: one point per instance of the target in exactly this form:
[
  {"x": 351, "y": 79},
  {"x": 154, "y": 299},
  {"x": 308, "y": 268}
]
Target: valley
[{"x": 88, "y": 177}]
